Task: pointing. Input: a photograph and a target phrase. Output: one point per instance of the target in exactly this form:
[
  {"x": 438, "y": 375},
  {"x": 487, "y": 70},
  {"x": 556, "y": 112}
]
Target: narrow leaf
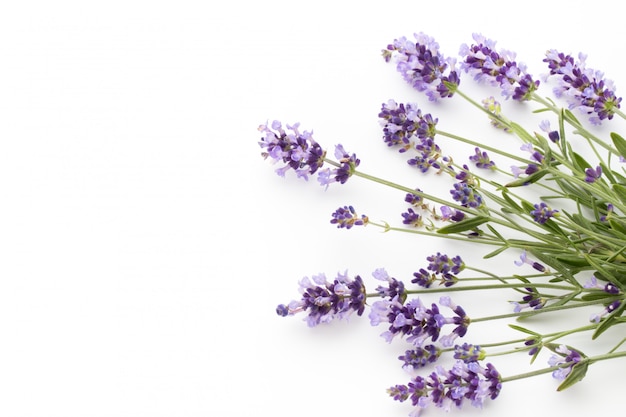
[{"x": 463, "y": 225}]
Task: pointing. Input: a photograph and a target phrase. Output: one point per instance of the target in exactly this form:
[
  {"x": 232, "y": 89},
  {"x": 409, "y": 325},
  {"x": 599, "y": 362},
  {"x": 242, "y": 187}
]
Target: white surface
[{"x": 144, "y": 243}]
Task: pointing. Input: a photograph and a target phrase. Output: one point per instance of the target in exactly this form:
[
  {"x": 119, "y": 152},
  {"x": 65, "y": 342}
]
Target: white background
[{"x": 144, "y": 243}]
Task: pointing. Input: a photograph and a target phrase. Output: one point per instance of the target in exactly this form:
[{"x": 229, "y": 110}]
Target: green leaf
[
  {"x": 577, "y": 374},
  {"x": 532, "y": 178},
  {"x": 620, "y": 190},
  {"x": 522, "y": 133},
  {"x": 608, "y": 321},
  {"x": 495, "y": 252},
  {"x": 463, "y": 225},
  {"x": 509, "y": 200},
  {"x": 572, "y": 260},
  {"x": 579, "y": 161},
  {"x": 617, "y": 225},
  {"x": 523, "y": 329},
  {"x": 620, "y": 143}
]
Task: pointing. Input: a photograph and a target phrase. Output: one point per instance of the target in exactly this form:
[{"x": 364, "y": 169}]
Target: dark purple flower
[
  {"x": 466, "y": 195},
  {"x": 443, "y": 388},
  {"x": 297, "y": 150},
  {"x": 542, "y": 213},
  {"x": 346, "y": 217},
  {"x": 325, "y": 300},
  {"x": 583, "y": 88},
  {"x": 394, "y": 288},
  {"x": 417, "y": 322},
  {"x": 411, "y": 218},
  {"x": 420, "y": 357},
  {"x": 347, "y": 165},
  {"x": 443, "y": 264},
  {"x": 497, "y": 68},
  {"x": 532, "y": 300},
  {"x": 423, "y": 66},
  {"x": 414, "y": 199},
  {"x": 403, "y": 124},
  {"x": 553, "y": 135},
  {"x": 481, "y": 160},
  {"x": 593, "y": 175},
  {"x": 523, "y": 259}
]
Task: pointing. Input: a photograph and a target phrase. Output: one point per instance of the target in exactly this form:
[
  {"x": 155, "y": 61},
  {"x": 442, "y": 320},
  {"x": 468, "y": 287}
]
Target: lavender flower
[
  {"x": 423, "y": 66},
  {"x": 466, "y": 195},
  {"x": 469, "y": 353},
  {"x": 346, "y": 217},
  {"x": 418, "y": 322},
  {"x": 443, "y": 264},
  {"x": 347, "y": 165},
  {"x": 523, "y": 259},
  {"x": 414, "y": 199},
  {"x": 419, "y": 357},
  {"x": 403, "y": 123},
  {"x": 497, "y": 68},
  {"x": 444, "y": 388},
  {"x": 552, "y": 134},
  {"x": 566, "y": 356},
  {"x": 411, "y": 218},
  {"x": 542, "y": 213},
  {"x": 325, "y": 300},
  {"x": 394, "y": 288},
  {"x": 583, "y": 88},
  {"x": 481, "y": 160},
  {"x": 297, "y": 150},
  {"x": 593, "y": 175},
  {"x": 447, "y": 214},
  {"x": 532, "y": 300}
]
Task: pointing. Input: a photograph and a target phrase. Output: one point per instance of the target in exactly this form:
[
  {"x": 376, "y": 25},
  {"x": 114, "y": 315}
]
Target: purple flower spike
[
  {"x": 481, "y": 160},
  {"x": 419, "y": 357},
  {"x": 423, "y": 66},
  {"x": 583, "y": 88},
  {"x": 444, "y": 388},
  {"x": 466, "y": 196},
  {"x": 347, "y": 165},
  {"x": 297, "y": 150},
  {"x": 327, "y": 300},
  {"x": 497, "y": 68},
  {"x": 542, "y": 213},
  {"x": 346, "y": 217}
]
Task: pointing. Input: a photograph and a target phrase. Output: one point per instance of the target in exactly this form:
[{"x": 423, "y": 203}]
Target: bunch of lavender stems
[{"x": 573, "y": 237}]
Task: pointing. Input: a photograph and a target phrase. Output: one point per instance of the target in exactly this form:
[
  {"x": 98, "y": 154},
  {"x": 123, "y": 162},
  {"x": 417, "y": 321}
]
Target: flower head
[
  {"x": 326, "y": 300},
  {"x": 404, "y": 124},
  {"x": 346, "y": 217},
  {"x": 481, "y": 160},
  {"x": 418, "y": 322},
  {"x": 420, "y": 357},
  {"x": 583, "y": 88},
  {"x": 566, "y": 358},
  {"x": 497, "y": 68},
  {"x": 466, "y": 195},
  {"x": 347, "y": 165},
  {"x": 394, "y": 289},
  {"x": 423, "y": 66},
  {"x": 444, "y": 388},
  {"x": 295, "y": 149},
  {"x": 542, "y": 213}
]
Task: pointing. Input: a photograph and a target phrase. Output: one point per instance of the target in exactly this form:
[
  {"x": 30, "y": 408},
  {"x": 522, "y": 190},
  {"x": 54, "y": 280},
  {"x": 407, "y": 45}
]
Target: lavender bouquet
[{"x": 563, "y": 210}]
